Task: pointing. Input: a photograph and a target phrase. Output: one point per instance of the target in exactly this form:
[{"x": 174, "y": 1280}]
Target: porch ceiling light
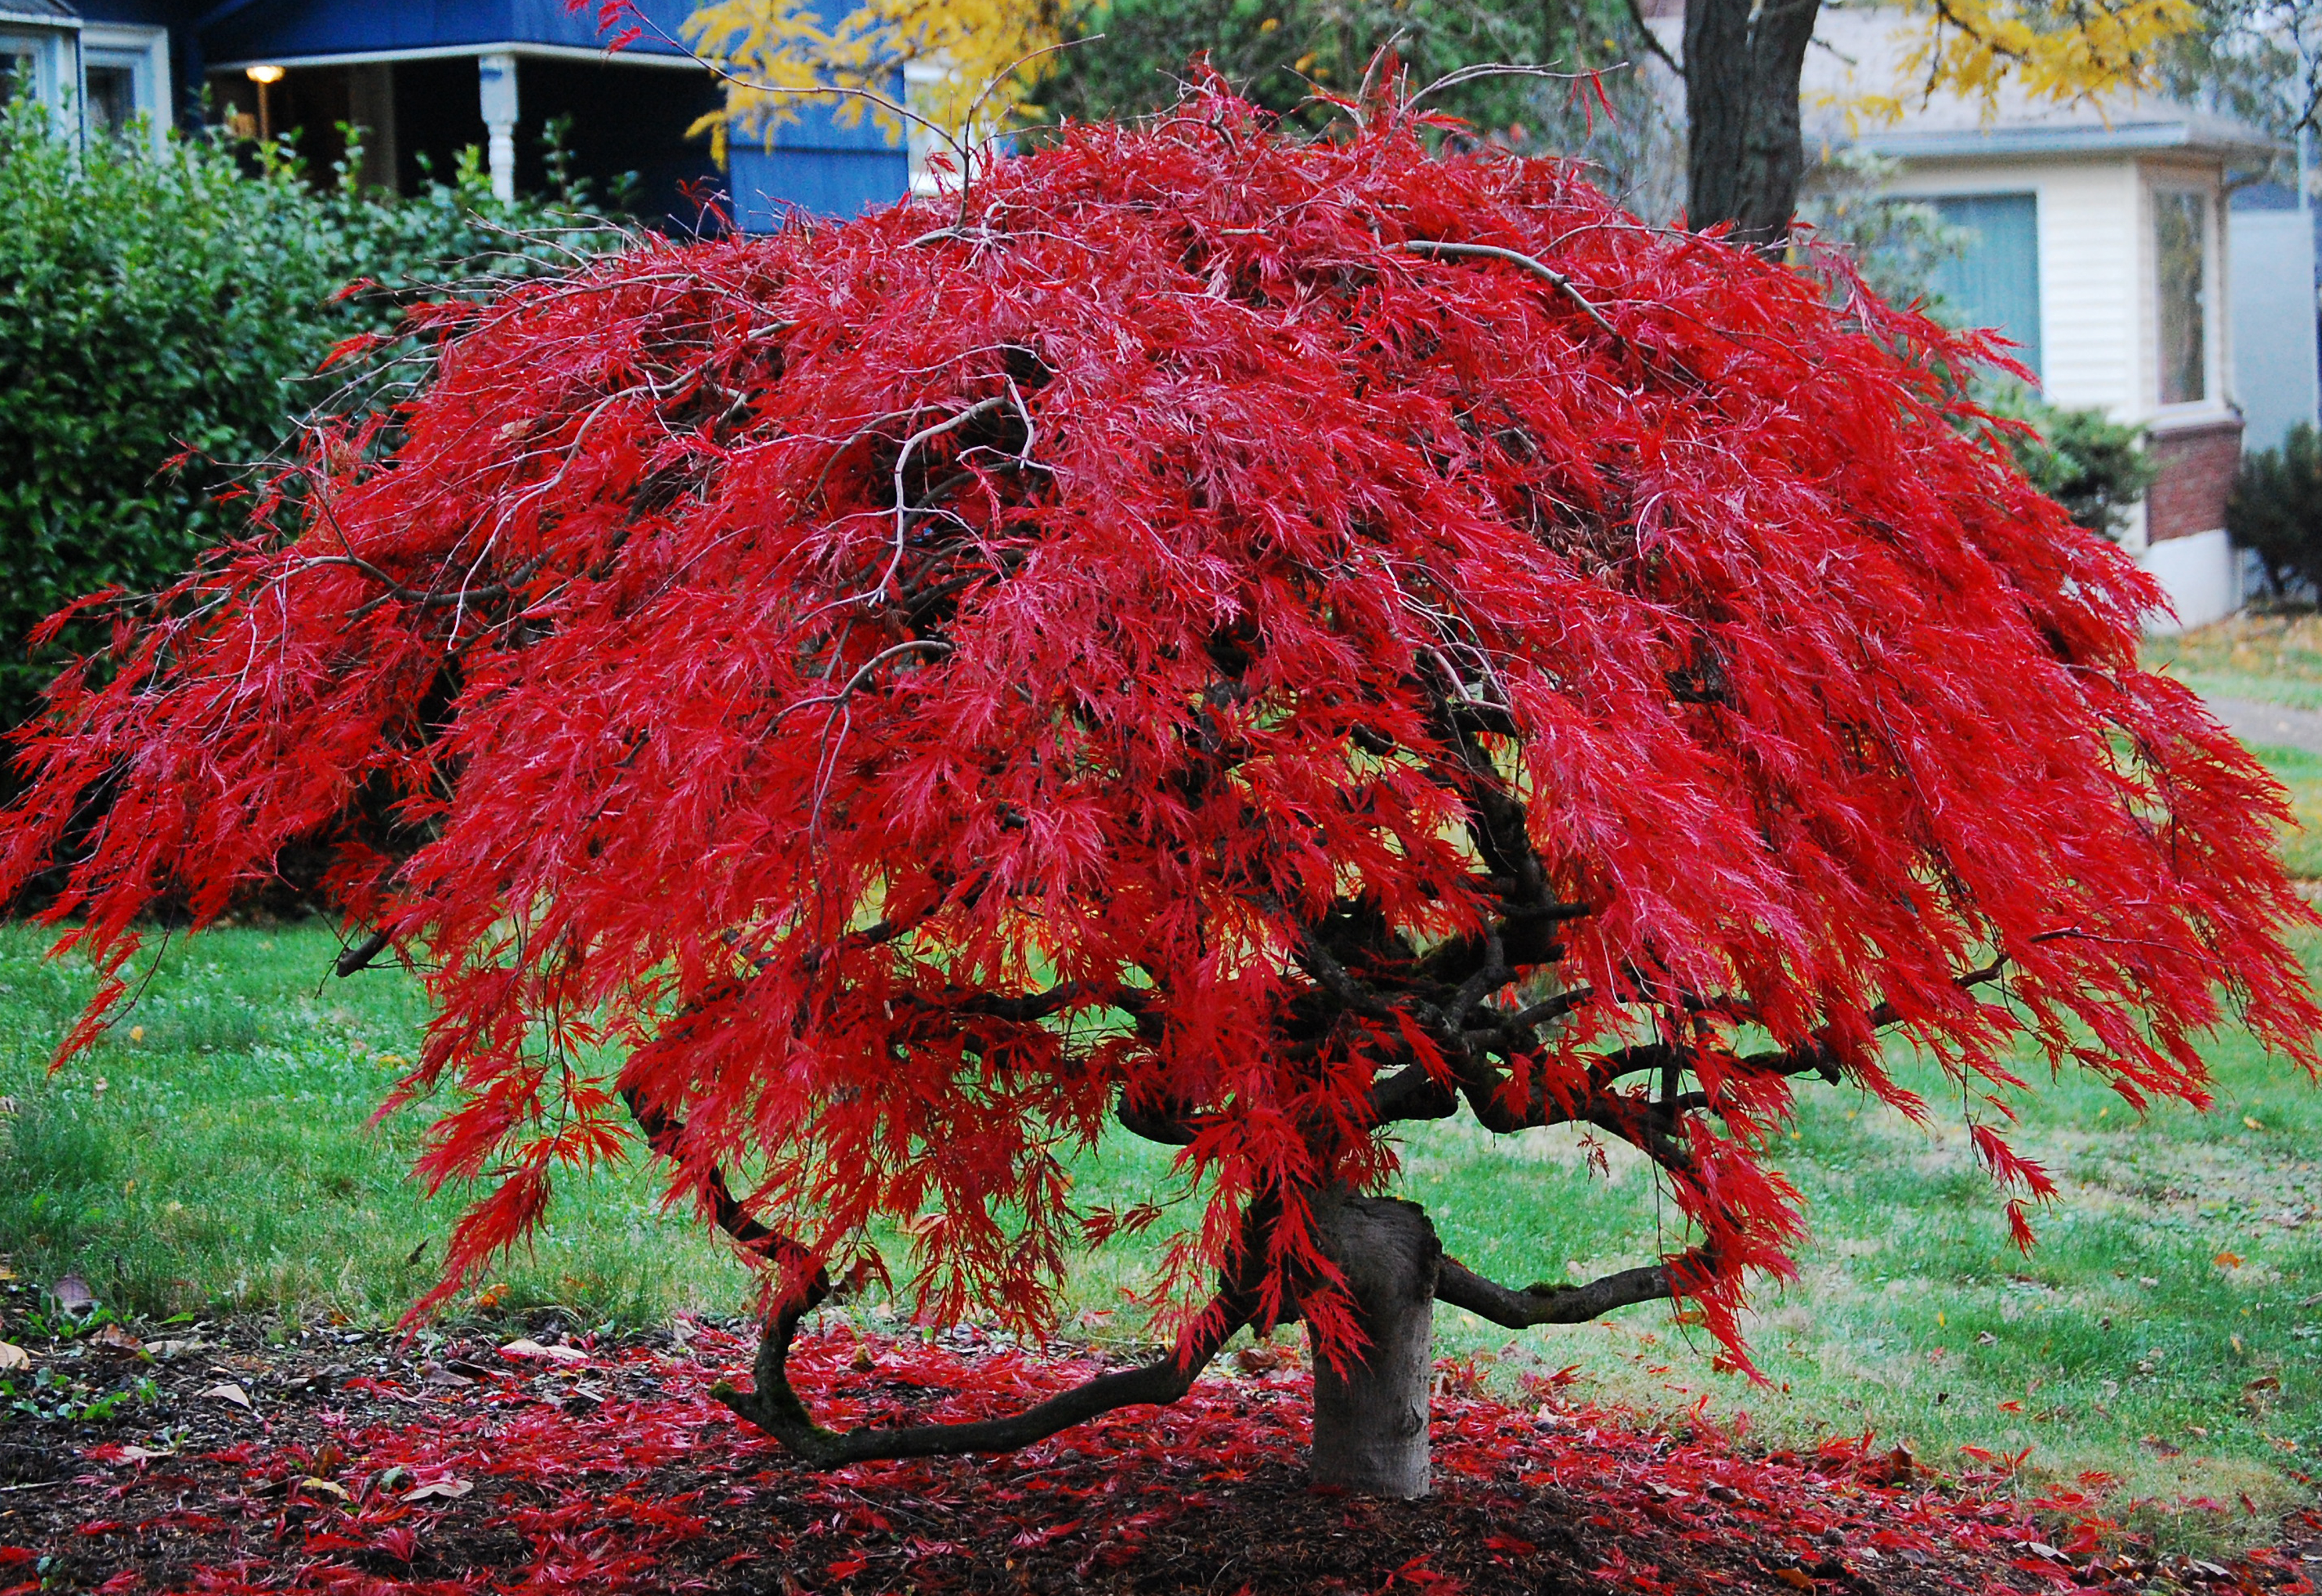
[{"x": 265, "y": 74}]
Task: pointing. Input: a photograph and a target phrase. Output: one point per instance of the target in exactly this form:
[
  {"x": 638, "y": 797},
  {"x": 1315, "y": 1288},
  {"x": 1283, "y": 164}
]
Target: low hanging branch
[{"x": 1148, "y": 651}]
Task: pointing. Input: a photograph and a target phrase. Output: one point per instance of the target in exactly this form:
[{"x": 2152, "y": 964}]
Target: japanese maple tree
[{"x": 1258, "y": 644}]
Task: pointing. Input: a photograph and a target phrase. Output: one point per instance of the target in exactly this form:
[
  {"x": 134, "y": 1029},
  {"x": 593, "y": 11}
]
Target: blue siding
[
  {"x": 819, "y": 124},
  {"x": 770, "y": 186}
]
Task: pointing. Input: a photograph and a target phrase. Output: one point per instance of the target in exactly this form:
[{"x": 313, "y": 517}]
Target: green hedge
[{"x": 174, "y": 303}]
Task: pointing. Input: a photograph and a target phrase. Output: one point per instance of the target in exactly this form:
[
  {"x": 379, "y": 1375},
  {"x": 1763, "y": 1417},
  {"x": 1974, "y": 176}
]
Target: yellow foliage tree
[
  {"x": 2051, "y": 49},
  {"x": 965, "y": 61}
]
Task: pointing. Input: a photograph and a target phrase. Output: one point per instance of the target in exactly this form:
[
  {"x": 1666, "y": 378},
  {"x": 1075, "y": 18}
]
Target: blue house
[{"x": 423, "y": 79}]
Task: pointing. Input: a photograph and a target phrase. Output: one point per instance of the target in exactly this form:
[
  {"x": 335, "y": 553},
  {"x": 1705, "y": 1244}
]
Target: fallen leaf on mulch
[
  {"x": 227, "y": 1392},
  {"x": 14, "y": 1357},
  {"x": 524, "y": 1346},
  {"x": 72, "y": 1294},
  {"x": 448, "y": 1489}
]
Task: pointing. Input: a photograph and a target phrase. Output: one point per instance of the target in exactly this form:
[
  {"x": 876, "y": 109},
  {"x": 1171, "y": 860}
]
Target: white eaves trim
[{"x": 444, "y": 52}]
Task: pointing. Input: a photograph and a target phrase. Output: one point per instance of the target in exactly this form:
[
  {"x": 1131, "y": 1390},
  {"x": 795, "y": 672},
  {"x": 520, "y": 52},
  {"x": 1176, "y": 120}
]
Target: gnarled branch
[
  {"x": 775, "y": 1407},
  {"x": 1547, "y": 1304}
]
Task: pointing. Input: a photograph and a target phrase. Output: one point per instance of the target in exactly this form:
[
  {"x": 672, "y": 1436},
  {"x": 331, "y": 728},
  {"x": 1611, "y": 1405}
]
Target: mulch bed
[{"x": 365, "y": 1463}]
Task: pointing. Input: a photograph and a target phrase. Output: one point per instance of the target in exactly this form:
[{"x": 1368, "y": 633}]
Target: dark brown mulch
[{"x": 365, "y": 1463}]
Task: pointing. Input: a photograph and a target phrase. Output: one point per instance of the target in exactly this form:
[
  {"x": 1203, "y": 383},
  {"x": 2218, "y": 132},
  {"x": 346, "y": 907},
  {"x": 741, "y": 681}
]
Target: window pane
[
  {"x": 17, "y": 69},
  {"x": 1995, "y": 281},
  {"x": 112, "y": 97},
  {"x": 2180, "y": 237}
]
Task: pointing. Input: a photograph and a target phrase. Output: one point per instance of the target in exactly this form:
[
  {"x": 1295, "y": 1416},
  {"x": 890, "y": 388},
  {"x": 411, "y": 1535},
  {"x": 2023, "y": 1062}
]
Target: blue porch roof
[
  {"x": 814, "y": 164},
  {"x": 233, "y": 31}
]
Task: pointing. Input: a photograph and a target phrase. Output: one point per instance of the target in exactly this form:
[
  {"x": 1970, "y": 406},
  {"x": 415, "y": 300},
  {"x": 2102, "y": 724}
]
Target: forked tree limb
[{"x": 1545, "y": 1303}]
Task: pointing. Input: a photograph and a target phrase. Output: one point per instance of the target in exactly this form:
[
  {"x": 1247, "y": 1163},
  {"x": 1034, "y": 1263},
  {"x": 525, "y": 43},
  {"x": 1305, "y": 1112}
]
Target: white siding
[{"x": 2090, "y": 264}]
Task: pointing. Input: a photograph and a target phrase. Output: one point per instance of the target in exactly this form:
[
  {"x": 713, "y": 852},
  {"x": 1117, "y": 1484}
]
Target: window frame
[
  {"x": 145, "y": 51},
  {"x": 47, "y": 46}
]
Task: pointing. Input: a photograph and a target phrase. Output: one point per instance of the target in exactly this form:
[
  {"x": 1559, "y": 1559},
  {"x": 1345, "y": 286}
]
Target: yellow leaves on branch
[
  {"x": 2057, "y": 50},
  {"x": 780, "y": 56}
]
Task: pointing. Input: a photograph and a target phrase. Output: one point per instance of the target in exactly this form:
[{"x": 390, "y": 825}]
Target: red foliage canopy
[{"x": 1266, "y": 639}]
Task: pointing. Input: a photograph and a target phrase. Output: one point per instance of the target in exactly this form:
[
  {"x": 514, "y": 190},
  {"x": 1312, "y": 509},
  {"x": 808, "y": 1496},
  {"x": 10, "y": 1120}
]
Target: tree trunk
[
  {"x": 1370, "y": 1426},
  {"x": 1744, "y": 152}
]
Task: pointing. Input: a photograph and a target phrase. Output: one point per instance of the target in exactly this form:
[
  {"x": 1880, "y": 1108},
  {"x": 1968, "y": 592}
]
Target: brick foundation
[{"x": 2197, "y": 466}]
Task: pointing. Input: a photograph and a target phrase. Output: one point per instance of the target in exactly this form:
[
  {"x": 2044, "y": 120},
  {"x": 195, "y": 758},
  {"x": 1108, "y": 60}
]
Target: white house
[{"x": 2101, "y": 245}]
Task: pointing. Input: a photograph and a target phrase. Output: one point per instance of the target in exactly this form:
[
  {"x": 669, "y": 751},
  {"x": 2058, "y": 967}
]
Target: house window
[
  {"x": 113, "y": 102},
  {"x": 2180, "y": 237},
  {"x": 123, "y": 71},
  {"x": 1995, "y": 280}
]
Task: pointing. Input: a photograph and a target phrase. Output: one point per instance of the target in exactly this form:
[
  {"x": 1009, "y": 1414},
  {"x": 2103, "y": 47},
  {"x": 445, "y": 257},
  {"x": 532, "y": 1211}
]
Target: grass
[
  {"x": 213, "y": 1154},
  {"x": 2273, "y": 658}
]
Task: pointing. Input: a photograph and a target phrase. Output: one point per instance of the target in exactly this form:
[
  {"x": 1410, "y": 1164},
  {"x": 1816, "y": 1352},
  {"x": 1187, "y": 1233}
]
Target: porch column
[
  {"x": 371, "y": 106},
  {"x": 495, "y": 79}
]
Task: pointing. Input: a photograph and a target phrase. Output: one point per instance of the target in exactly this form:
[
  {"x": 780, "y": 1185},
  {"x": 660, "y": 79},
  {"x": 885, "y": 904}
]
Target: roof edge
[{"x": 2120, "y": 139}]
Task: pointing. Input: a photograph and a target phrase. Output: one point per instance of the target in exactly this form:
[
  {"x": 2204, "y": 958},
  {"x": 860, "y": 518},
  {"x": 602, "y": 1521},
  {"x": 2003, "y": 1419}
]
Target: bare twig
[
  {"x": 1539, "y": 268},
  {"x": 1501, "y": 69}
]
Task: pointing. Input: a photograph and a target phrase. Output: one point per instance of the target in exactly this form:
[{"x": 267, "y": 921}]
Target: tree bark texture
[
  {"x": 1745, "y": 152},
  {"x": 1370, "y": 1424}
]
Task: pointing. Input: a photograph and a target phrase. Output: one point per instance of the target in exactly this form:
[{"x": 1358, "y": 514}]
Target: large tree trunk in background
[
  {"x": 1370, "y": 1426},
  {"x": 1744, "y": 152}
]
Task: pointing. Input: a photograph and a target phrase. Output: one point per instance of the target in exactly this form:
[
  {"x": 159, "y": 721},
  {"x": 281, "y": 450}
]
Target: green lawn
[
  {"x": 218, "y": 1158},
  {"x": 2273, "y": 659}
]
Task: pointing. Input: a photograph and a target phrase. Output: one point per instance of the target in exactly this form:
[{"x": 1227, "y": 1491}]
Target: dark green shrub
[
  {"x": 2276, "y": 510},
  {"x": 155, "y": 306},
  {"x": 2096, "y": 468}
]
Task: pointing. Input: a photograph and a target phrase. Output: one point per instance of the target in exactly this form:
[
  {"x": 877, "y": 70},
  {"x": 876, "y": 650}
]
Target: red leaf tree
[{"x": 1263, "y": 644}]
